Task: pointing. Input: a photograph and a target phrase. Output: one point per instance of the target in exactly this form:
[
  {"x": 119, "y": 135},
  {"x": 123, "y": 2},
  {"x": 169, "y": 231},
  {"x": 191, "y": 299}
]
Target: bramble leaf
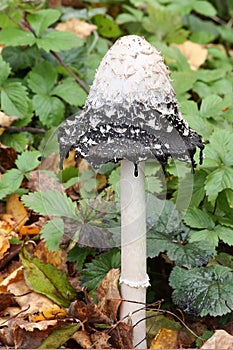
[
  {"x": 14, "y": 99},
  {"x": 10, "y": 182},
  {"x": 213, "y": 236},
  {"x": 58, "y": 41},
  {"x": 16, "y": 37},
  {"x": 51, "y": 203},
  {"x": 5, "y": 70},
  {"x": 28, "y": 161},
  {"x": 49, "y": 109},
  {"x": 198, "y": 218},
  {"x": 42, "y": 78},
  {"x": 203, "y": 290},
  {"x": 70, "y": 92},
  {"x": 52, "y": 233},
  {"x": 42, "y": 19}
]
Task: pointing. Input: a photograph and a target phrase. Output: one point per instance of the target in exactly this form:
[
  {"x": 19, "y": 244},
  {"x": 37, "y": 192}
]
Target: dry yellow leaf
[
  {"x": 196, "y": 54},
  {"x": 49, "y": 312},
  {"x": 165, "y": 339},
  {"x": 81, "y": 28},
  {"x": 4, "y": 244},
  {"x": 6, "y": 120},
  {"x": 16, "y": 208}
]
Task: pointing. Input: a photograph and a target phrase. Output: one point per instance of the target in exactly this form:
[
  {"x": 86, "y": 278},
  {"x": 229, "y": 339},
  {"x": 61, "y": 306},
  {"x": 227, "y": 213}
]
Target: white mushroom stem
[{"x": 134, "y": 278}]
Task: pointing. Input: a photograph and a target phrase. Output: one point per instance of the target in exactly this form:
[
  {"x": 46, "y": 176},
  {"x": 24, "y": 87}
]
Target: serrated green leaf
[
  {"x": 218, "y": 153},
  {"x": 213, "y": 236},
  {"x": 10, "y": 182},
  {"x": 153, "y": 184},
  {"x": 198, "y": 193},
  {"x": 19, "y": 57},
  {"x": 217, "y": 181},
  {"x": 47, "y": 279},
  {"x": 70, "y": 92},
  {"x": 204, "y": 8},
  {"x": 107, "y": 27},
  {"x": 49, "y": 109},
  {"x": 51, "y": 203},
  {"x": 59, "y": 336},
  {"x": 58, "y": 41},
  {"x": 42, "y": 19},
  {"x": 79, "y": 255},
  {"x": 209, "y": 75},
  {"x": 4, "y": 70},
  {"x": 14, "y": 99},
  {"x": 198, "y": 218},
  {"x": 211, "y": 106},
  {"x": 18, "y": 141},
  {"x": 16, "y": 37},
  {"x": 28, "y": 161},
  {"x": 95, "y": 271},
  {"x": 203, "y": 290},
  {"x": 42, "y": 78},
  {"x": 52, "y": 233},
  {"x": 183, "y": 81}
]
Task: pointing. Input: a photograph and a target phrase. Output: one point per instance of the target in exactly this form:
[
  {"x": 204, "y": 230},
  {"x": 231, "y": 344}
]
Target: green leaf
[
  {"x": 218, "y": 153},
  {"x": 217, "y": 181},
  {"x": 106, "y": 26},
  {"x": 5, "y": 70},
  {"x": 28, "y": 161},
  {"x": 49, "y": 109},
  {"x": 203, "y": 290},
  {"x": 70, "y": 92},
  {"x": 58, "y": 41},
  {"x": 59, "y": 336},
  {"x": 213, "y": 236},
  {"x": 79, "y": 255},
  {"x": 183, "y": 81},
  {"x": 94, "y": 272},
  {"x": 14, "y": 99},
  {"x": 153, "y": 184},
  {"x": 198, "y": 218},
  {"x": 50, "y": 203},
  {"x": 52, "y": 233},
  {"x": 18, "y": 141},
  {"x": 10, "y": 182},
  {"x": 204, "y": 8},
  {"x": 198, "y": 193},
  {"x": 19, "y": 57},
  {"x": 225, "y": 259},
  {"x": 16, "y": 37},
  {"x": 42, "y": 19},
  {"x": 47, "y": 279},
  {"x": 211, "y": 106},
  {"x": 42, "y": 78}
]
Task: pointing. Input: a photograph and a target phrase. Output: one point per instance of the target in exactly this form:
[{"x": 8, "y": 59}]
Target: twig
[
  {"x": 79, "y": 81},
  {"x": 23, "y": 128}
]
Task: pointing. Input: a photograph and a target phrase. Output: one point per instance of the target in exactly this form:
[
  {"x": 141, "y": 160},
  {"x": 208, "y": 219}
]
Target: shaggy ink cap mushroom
[{"x": 131, "y": 111}]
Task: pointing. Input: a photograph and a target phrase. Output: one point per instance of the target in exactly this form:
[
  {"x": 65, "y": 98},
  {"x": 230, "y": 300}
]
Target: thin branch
[
  {"x": 23, "y": 128},
  {"x": 79, "y": 81}
]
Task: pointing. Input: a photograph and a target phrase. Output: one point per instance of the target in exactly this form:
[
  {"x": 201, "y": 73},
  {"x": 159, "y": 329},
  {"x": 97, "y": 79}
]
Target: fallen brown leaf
[
  {"x": 5, "y": 120},
  {"x": 121, "y": 336},
  {"x": 4, "y": 243},
  {"x": 219, "y": 340},
  {"x": 108, "y": 294},
  {"x": 7, "y": 157},
  {"x": 165, "y": 339},
  {"x": 81, "y": 28},
  {"x": 16, "y": 208},
  {"x": 196, "y": 54},
  {"x": 83, "y": 339},
  {"x": 100, "y": 340},
  {"x": 55, "y": 258}
]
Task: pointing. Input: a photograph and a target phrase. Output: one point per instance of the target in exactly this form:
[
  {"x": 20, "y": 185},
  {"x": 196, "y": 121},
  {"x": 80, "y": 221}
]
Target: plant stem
[
  {"x": 23, "y": 128},
  {"x": 134, "y": 278}
]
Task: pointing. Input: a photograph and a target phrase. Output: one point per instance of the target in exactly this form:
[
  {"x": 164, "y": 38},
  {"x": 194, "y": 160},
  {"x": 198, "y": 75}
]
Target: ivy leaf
[
  {"x": 58, "y": 41},
  {"x": 28, "y": 161},
  {"x": 198, "y": 218},
  {"x": 95, "y": 271},
  {"x": 42, "y": 78},
  {"x": 16, "y": 37},
  {"x": 47, "y": 280},
  {"x": 70, "y": 92},
  {"x": 5, "y": 70},
  {"x": 49, "y": 109},
  {"x": 52, "y": 233},
  {"x": 51, "y": 203},
  {"x": 42, "y": 19},
  {"x": 203, "y": 290},
  {"x": 14, "y": 99}
]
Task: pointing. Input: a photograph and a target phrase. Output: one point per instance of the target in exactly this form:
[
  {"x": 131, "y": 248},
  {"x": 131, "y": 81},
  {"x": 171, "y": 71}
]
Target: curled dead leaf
[
  {"x": 83, "y": 339},
  {"x": 219, "y": 340},
  {"x": 4, "y": 244},
  {"x": 81, "y": 28},
  {"x": 100, "y": 340},
  {"x": 16, "y": 208},
  {"x": 196, "y": 54},
  {"x": 5, "y": 120},
  {"x": 165, "y": 339}
]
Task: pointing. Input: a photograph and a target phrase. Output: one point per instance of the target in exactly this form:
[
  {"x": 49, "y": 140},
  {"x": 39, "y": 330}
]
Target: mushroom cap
[{"x": 131, "y": 111}]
